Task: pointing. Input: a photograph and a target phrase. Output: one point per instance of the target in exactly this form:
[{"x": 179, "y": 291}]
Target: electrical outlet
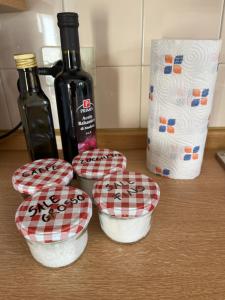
[{"x": 51, "y": 54}]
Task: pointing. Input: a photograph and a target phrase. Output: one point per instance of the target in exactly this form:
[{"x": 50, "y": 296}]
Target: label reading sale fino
[{"x": 128, "y": 188}]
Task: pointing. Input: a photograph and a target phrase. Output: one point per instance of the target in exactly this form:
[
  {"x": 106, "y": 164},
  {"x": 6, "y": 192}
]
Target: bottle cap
[
  {"x": 25, "y": 60},
  {"x": 32, "y": 177},
  {"x": 54, "y": 214},
  {"x": 94, "y": 164},
  {"x": 126, "y": 194},
  {"x": 67, "y": 19}
]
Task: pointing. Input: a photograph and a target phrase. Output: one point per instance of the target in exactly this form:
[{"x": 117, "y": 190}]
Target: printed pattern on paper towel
[
  {"x": 199, "y": 97},
  {"x": 167, "y": 125},
  {"x": 162, "y": 172},
  {"x": 173, "y": 64},
  {"x": 151, "y": 91},
  {"x": 191, "y": 153}
]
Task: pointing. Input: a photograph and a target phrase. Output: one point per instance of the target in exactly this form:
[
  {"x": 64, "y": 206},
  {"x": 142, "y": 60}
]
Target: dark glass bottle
[
  {"x": 35, "y": 110},
  {"x": 74, "y": 93}
]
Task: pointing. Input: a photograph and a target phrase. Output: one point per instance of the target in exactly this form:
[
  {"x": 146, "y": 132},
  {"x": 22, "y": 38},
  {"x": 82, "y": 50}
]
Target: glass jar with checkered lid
[
  {"x": 38, "y": 174},
  {"x": 54, "y": 224},
  {"x": 95, "y": 164},
  {"x": 126, "y": 201}
]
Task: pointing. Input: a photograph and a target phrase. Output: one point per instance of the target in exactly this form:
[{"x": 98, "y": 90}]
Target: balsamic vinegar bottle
[
  {"x": 74, "y": 93},
  {"x": 35, "y": 110}
]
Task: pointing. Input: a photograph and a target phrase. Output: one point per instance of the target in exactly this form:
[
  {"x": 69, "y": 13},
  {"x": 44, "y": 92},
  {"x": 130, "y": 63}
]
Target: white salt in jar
[
  {"x": 41, "y": 173},
  {"x": 54, "y": 224},
  {"x": 126, "y": 201},
  {"x": 95, "y": 164}
]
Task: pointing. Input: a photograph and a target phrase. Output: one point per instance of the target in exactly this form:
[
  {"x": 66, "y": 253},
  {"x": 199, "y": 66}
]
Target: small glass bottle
[{"x": 35, "y": 110}]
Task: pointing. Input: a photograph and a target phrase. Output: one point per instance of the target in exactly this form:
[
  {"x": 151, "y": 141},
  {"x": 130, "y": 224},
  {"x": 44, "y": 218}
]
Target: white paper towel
[{"x": 183, "y": 76}]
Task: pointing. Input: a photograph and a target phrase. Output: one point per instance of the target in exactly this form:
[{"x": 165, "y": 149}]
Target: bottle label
[{"x": 86, "y": 132}]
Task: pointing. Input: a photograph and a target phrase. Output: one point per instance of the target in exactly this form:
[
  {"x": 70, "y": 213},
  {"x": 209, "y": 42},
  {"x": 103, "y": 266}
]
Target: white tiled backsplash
[{"x": 120, "y": 32}]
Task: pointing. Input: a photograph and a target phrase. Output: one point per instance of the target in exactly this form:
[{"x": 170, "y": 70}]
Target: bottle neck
[
  {"x": 71, "y": 60},
  {"x": 29, "y": 81},
  {"x": 70, "y": 47}
]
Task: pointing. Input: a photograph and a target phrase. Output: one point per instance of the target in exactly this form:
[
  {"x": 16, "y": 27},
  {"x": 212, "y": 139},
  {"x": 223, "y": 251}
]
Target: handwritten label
[
  {"x": 99, "y": 158},
  {"x": 127, "y": 188},
  {"x": 37, "y": 171},
  {"x": 49, "y": 208}
]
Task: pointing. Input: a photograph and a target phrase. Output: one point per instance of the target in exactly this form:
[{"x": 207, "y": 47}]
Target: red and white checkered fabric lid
[
  {"x": 54, "y": 214},
  {"x": 95, "y": 164},
  {"x": 126, "y": 194},
  {"x": 33, "y": 176}
]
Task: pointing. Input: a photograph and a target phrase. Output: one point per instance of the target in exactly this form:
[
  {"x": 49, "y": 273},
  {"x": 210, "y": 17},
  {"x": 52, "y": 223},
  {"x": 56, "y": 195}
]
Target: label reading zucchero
[{"x": 100, "y": 158}]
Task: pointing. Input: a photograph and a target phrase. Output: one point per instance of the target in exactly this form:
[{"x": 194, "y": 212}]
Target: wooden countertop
[
  {"x": 183, "y": 257},
  {"x": 7, "y": 6}
]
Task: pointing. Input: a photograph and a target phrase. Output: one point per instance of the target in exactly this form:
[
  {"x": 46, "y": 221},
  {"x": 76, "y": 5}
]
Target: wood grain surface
[
  {"x": 183, "y": 257},
  {"x": 127, "y": 138},
  {"x": 12, "y": 6}
]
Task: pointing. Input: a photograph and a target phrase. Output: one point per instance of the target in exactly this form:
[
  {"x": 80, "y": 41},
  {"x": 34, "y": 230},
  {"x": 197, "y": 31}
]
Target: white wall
[{"x": 121, "y": 32}]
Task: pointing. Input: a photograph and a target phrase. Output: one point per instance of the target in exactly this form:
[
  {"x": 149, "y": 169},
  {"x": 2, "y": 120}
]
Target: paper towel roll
[
  {"x": 178, "y": 158},
  {"x": 183, "y": 76}
]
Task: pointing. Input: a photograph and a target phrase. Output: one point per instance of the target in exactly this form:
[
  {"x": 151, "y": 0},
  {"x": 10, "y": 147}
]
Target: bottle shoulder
[
  {"x": 73, "y": 75},
  {"x": 36, "y": 99}
]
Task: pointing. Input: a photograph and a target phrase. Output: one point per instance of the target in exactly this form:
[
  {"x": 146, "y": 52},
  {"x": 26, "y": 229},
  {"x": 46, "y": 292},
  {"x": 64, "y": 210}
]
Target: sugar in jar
[{"x": 95, "y": 164}]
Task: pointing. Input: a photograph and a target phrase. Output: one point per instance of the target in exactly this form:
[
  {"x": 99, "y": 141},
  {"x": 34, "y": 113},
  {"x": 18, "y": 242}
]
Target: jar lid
[
  {"x": 41, "y": 173},
  {"x": 95, "y": 164},
  {"x": 54, "y": 214},
  {"x": 126, "y": 194}
]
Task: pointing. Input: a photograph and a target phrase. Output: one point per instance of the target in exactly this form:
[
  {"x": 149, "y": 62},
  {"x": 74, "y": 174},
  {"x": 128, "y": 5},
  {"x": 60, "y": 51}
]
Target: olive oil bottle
[{"x": 35, "y": 110}]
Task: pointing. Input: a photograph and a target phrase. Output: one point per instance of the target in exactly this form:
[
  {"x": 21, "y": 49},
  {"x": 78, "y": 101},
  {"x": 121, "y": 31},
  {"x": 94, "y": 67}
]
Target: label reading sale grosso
[{"x": 52, "y": 206}]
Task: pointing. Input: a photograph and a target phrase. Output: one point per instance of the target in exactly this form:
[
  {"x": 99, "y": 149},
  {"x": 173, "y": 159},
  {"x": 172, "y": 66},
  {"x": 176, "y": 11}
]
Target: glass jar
[
  {"x": 59, "y": 254},
  {"x": 33, "y": 176},
  {"x": 125, "y": 230},
  {"x": 93, "y": 165},
  {"x": 126, "y": 201},
  {"x": 54, "y": 224},
  {"x": 86, "y": 184}
]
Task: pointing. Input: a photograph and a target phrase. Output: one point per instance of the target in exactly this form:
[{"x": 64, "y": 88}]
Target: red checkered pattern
[
  {"x": 33, "y": 176},
  {"x": 126, "y": 194},
  {"x": 97, "y": 163},
  {"x": 54, "y": 214}
]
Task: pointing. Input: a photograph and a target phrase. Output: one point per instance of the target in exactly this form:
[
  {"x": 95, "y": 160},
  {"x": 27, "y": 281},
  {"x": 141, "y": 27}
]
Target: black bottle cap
[{"x": 67, "y": 19}]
